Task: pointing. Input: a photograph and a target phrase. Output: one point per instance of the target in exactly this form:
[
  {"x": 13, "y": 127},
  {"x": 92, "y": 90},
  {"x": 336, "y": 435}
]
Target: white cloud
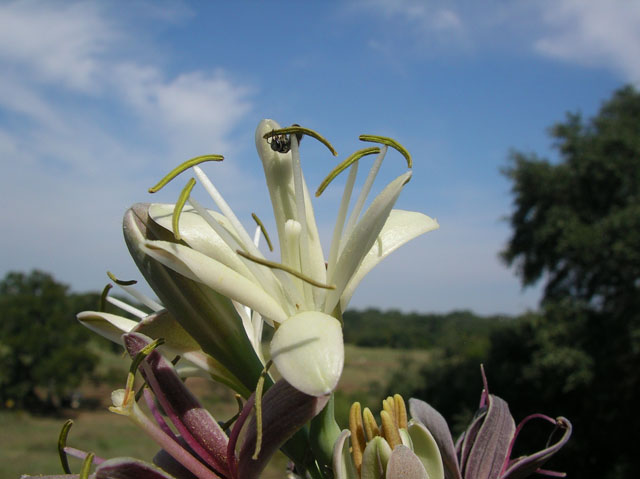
[
  {"x": 594, "y": 33},
  {"x": 82, "y": 120},
  {"x": 57, "y": 42},
  {"x": 196, "y": 108},
  {"x": 434, "y": 24}
]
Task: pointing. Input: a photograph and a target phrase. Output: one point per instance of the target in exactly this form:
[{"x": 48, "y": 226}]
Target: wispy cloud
[
  {"x": 594, "y": 33},
  {"x": 56, "y": 42},
  {"x": 81, "y": 116}
]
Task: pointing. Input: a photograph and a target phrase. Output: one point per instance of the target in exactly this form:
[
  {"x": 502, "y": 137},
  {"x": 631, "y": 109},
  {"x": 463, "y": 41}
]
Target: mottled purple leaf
[
  {"x": 57, "y": 476},
  {"x": 195, "y": 424},
  {"x": 437, "y": 426},
  {"x": 284, "y": 411},
  {"x": 168, "y": 463},
  {"x": 404, "y": 464},
  {"x": 525, "y": 466},
  {"x": 466, "y": 439},
  {"x": 491, "y": 444},
  {"x": 129, "y": 468}
]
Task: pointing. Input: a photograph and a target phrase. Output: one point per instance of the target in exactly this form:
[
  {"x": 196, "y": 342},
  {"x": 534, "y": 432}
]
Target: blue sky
[{"x": 99, "y": 99}]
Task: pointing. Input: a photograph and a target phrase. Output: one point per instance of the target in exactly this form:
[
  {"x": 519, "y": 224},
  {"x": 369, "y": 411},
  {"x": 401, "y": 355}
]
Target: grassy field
[{"x": 28, "y": 443}]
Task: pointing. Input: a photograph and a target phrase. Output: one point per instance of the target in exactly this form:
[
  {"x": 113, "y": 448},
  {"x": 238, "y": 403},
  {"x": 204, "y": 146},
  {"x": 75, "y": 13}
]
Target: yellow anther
[
  {"x": 184, "y": 166},
  {"x": 401, "y": 411},
  {"x": 388, "y": 406},
  {"x": 389, "y": 142},
  {"x": 390, "y": 430},
  {"x": 344, "y": 165},
  {"x": 112, "y": 277},
  {"x": 358, "y": 441},
  {"x": 370, "y": 424}
]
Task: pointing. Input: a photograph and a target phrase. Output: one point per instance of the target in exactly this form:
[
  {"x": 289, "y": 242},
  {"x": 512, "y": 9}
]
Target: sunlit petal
[
  {"x": 308, "y": 351},
  {"x": 401, "y": 227}
]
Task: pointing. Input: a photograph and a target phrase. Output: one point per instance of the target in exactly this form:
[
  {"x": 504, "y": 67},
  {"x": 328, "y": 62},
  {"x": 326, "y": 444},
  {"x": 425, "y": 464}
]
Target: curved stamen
[
  {"x": 344, "y": 165},
  {"x": 177, "y": 210},
  {"x": 144, "y": 352},
  {"x": 86, "y": 466},
  {"x": 120, "y": 282},
  {"x": 263, "y": 229},
  {"x": 258, "y": 407},
  {"x": 103, "y": 297},
  {"x": 182, "y": 167},
  {"x": 62, "y": 443},
  {"x": 362, "y": 197},
  {"x": 127, "y": 287},
  {"x": 291, "y": 271},
  {"x": 389, "y": 142},
  {"x": 295, "y": 129}
]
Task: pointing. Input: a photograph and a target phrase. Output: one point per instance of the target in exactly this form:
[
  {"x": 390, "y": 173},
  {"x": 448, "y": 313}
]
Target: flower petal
[
  {"x": 308, "y": 351},
  {"x": 284, "y": 411},
  {"x": 206, "y": 315},
  {"x": 107, "y": 325},
  {"x": 195, "y": 231},
  {"x": 343, "y": 466},
  {"x": 401, "y": 227},
  {"x": 375, "y": 459},
  {"x": 362, "y": 239},
  {"x": 426, "y": 448},
  {"x": 278, "y": 171},
  {"x": 222, "y": 279},
  {"x": 437, "y": 426},
  {"x": 404, "y": 464}
]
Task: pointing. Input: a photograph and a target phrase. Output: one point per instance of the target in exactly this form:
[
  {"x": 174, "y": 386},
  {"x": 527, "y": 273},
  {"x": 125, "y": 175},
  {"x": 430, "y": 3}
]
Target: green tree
[
  {"x": 576, "y": 226},
  {"x": 43, "y": 350}
]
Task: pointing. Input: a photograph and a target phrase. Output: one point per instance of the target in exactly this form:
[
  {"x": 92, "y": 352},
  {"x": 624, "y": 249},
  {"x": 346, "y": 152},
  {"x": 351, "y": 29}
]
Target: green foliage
[
  {"x": 576, "y": 224},
  {"x": 43, "y": 353},
  {"x": 458, "y": 330}
]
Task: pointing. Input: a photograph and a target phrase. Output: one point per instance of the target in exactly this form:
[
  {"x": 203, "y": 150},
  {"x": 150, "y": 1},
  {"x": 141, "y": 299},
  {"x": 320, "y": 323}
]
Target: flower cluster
[{"x": 218, "y": 290}]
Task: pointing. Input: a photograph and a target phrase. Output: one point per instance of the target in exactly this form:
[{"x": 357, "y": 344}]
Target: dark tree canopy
[
  {"x": 576, "y": 222},
  {"x": 576, "y": 226},
  {"x": 43, "y": 351}
]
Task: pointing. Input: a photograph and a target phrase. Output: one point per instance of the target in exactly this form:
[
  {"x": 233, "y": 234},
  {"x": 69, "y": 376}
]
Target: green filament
[
  {"x": 258, "y": 407},
  {"x": 62, "y": 443},
  {"x": 305, "y": 131},
  {"x": 184, "y": 166},
  {"x": 389, "y": 142},
  {"x": 280, "y": 266},
  {"x": 144, "y": 352},
  {"x": 344, "y": 165},
  {"x": 103, "y": 297},
  {"x": 86, "y": 466},
  {"x": 228, "y": 424},
  {"x": 263, "y": 230},
  {"x": 177, "y": 210}
]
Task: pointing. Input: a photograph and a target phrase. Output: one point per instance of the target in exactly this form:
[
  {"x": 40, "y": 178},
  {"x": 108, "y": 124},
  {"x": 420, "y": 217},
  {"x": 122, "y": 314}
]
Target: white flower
[{"x": 303, "y": 295}]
